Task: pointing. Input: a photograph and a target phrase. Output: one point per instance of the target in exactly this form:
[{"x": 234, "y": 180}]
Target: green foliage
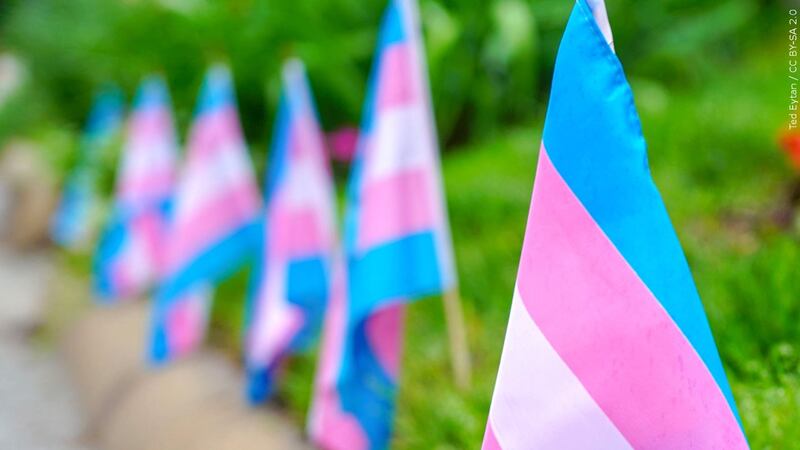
[
  {"x": 22, "y": 110},
  {"x": 490, "y": 61}
]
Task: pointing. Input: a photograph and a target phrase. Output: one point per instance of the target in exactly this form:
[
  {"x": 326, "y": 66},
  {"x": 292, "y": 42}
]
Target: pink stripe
[
  {"x": 149, "y": 232},
  {"x": 612, "y": 333},
  {"x": 307, "y": 140},
  {"x": 218, "y": 218},
  {"x": 213, "y": 132},
  {"x": 122, "y": 282},
  {"x": 149, "y": 186},
  {"x": 151, "y": 124},
  {"x": 489, "y": 439},
  {"x": 385, "y": 332},
  {"x": 337, "y": 430},
  {"x": 396, "y": 83},
  {"x": 295, "y": 233},
  {"x": 186, "y": 322},
  {"x": 396, "y": 206},
  {"x": 148, "y": 166}
]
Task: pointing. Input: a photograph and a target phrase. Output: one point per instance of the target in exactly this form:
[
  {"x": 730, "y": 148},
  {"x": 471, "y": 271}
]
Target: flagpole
[
  {"x": 460, "y": 359},
  {"x": 454, "y": 315}
]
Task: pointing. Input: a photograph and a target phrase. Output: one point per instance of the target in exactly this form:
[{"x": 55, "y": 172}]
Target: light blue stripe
[
  {"x": 106, "y": 115},
  {"x": 215, "y": 263},
  {"x": 594, "y": 139},
  {"x": 79, "y": 194},
  {"x": 152, "y": 93},
  {"x": 366, "y": 390},
  {"x": 279, "y": 148},
  {"x": 307, "y": 285},
  {"x": 217, "y": 91},
  {"x": 405, "y": 268},
  {"x": 260, "y": 384},
  {"x": 392, "y": 30},
  {"x": 109, "y": 249}
]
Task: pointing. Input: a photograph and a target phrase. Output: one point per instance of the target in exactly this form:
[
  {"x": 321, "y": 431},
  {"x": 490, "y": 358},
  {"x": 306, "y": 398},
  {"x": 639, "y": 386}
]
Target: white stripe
[
  {"x": 538, "y": 402},
  {"x": 600, "y": 14},
  {"x": 206, "y": 179},
  {"x": 399, "y": 141},
  {"x": 145, "y": 156}
]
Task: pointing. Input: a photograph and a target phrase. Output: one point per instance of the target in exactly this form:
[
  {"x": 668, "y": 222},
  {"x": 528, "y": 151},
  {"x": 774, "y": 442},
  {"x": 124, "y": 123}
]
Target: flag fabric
[
  {"x": 397, "y": 244},
  {"x": 607, "y": 345},
  {"x": 214, "y": 226},
  {"x": 78, "y": 207},
  {"x": 299, "y": 235},
  {"x": 127, "y": 261}
]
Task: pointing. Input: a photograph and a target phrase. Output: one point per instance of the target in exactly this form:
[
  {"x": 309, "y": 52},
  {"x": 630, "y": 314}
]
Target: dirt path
[
  {"x": 38, "y": 410},
  {"x": 199, "y": 399}
]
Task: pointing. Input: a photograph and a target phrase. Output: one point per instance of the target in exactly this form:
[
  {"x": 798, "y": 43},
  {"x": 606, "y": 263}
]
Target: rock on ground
[{"x": 37, "y": 408}]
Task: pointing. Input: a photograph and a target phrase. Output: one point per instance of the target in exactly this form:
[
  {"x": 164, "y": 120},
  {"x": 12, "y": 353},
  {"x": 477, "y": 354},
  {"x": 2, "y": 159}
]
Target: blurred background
[{"x": 710, "y": 82}]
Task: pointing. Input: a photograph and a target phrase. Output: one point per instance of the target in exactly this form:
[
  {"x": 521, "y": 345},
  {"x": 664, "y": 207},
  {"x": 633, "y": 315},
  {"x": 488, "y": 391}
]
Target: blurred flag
[
  {"x": 127, "y": 262},
  {"x": 214, "y": 225},
  {"x": 72, "y": 220},
  {"x": 299, "y": 237},
  {"x": 397, "y": 244},
  {"x": 608, "y": 345}
]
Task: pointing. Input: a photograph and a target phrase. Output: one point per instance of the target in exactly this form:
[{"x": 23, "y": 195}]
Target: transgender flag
[
  {"x": 72, "y": 221},
  {"x": 127, "y": 260},
  {"x": 397, "y": 245},
  {"x": 299, "y": 237},
  {"x": 213, "y": 229},
  {"x": 608, "y": 345}
]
